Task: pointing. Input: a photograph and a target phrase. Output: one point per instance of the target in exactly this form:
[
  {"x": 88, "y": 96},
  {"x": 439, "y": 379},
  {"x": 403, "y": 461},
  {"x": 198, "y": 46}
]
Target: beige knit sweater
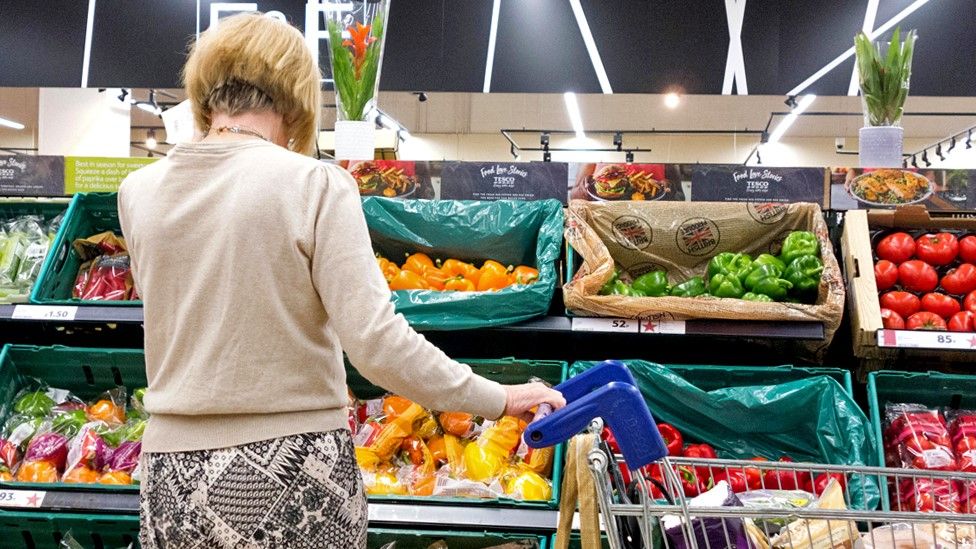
[{"x": 256, "y": 270}]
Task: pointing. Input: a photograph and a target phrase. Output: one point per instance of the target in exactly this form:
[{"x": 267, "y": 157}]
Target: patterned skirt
[{"x": 292, "y": 492}]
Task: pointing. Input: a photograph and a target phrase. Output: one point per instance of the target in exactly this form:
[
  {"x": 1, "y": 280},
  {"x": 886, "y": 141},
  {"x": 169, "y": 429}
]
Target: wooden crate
[{"x": 864, "y": 309}]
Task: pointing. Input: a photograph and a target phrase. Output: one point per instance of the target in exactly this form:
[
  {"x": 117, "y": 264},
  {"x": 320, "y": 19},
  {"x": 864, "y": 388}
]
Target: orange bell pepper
[
  {"x": 37, "y": 471},
  {"x": 436, "y": 278},
  {"x": 459, "y": 284},
  {"x": 493, "y": 279},
  {"x": 394, "y": 405},
  {"x": 525, "y": 275},
  {"x": 451, "y": 266},
  {"x": 387, "y": 267},
  {"x": 438, "y": 449},
  {"x": 458, "y": 424},
  {"x": 492, "y": 265},
  {"x": 115, "y": 477},
  {"x": 408, "y": 280},
  {"x": 107, "y": 411},
  {"x": 418, "y": 263}
]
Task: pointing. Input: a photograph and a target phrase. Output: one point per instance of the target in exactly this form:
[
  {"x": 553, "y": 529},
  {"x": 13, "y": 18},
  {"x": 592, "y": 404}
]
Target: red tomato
[
  {"x": 937, "y": 249},
  {"x": 917, "y": 276},
  {"x": 896, "y": 247},
  {"x": 885, "y": 274},
  {"x": 967, "y": 249},
  {"x": 903, "y": 303},
  {"x": 969, "y": 304},
  {"x": 925, "y": 321},
  {"x": 960, "y": 280},
  {"x": 819, "y": 484},
  {"x": 940, "y": 304},
  {"x": 962, "y": 321},
  {"x": 892, "y": 320}
]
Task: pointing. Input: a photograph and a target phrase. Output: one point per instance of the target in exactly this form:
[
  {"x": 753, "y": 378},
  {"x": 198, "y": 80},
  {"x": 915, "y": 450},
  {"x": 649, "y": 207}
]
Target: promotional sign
[
  {"x": 504, "y": 180},
  {"x": 619, "y": 181},
  {"x": 937, "y": 190},
  {"x": 758, "y": 184},
  {"x": 392, "y": 178},
  {"x": 84, "y": 174},
  {"x": 31, "y": 175}
]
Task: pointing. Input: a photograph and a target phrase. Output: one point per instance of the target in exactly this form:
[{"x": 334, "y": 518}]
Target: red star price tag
[
  {"x": 619, "y": 325},
  {"x": 922, "y": 339},
  {"x": 662, "y": 327},
  {"x": 21, "y": 498}
]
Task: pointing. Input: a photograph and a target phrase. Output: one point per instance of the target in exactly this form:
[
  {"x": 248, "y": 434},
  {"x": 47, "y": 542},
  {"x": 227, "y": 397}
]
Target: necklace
[{"x": 240, "y": 131}]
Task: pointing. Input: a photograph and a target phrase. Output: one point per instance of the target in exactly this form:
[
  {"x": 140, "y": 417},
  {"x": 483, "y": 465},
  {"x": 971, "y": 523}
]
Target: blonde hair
[{"x": 252, "y": 62}]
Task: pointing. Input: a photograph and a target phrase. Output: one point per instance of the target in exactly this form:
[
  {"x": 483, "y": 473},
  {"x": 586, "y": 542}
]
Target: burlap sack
[{"x": 680, "y": 238}]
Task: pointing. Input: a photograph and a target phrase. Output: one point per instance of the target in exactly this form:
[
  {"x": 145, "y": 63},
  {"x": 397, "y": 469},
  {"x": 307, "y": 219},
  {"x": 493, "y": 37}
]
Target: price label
[
  {"x": 44, "y": 312},
  {"x": 921, "y": 339},
  {"x": 21, "y": 498},
  {"x": 662, "y": 327},
  {"x": 621, "y": 325}
]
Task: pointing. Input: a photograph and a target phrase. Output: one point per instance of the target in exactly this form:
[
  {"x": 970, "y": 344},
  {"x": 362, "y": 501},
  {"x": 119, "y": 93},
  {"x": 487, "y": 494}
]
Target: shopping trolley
[{"x": 652, "y": 511}]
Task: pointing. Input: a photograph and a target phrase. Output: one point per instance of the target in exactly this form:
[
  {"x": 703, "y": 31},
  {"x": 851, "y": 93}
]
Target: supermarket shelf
[
  {"x": 44, "y": 313},
  {"x": 69, "y": 500}
]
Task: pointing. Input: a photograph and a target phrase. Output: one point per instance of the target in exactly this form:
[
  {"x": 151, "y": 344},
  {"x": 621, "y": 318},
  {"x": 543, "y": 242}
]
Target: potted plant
[
  {"x": 356, "y": 38},
  {"x": 884, "y": 71}
]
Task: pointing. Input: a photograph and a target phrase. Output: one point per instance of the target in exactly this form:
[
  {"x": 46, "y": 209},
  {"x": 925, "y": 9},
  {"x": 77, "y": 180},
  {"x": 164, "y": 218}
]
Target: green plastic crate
[
  {"x": 506, "y": 371},
  {"x": 88, "y": 214},
  {"x": 422, "y": 539},
  {"x": 85, "y": 372},
  {"x": 933, "y": 389},
  {"x": 48, "y": 208},
  {"x": 31, "y": 530}
]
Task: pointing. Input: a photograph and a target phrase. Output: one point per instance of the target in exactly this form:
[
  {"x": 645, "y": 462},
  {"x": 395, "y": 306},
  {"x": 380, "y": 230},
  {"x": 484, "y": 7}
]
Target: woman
[{"x": 256, "y": 270}]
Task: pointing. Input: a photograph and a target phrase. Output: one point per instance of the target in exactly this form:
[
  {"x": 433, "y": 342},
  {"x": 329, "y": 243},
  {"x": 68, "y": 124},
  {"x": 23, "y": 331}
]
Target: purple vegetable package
[
  {"x": 711, "y": 532},
  {"x": 48, "y": 447}
]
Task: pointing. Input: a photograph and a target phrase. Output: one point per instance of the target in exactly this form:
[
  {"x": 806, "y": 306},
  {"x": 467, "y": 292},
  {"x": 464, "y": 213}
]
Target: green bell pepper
[
  {"x": 749, "y": 296},
  {"x": 761, "y": 272},
  {"x": 768, "y": 259},
  {"x": 730, "y": 263},
  {"x": 804, "y": 273},
  {"x": 622, "y": 288},
  {"x": 35, "y": 404},
  {"x": 693, "y": 287},
  {"x": 69, "y": 423},
  {"x": 725, "y": 285},
  {"x": 652, "y": 284},
  {"x": 607, "y": 288},
  {"x": 774, "y": 287},
  {"x": 797, "y": 244}
]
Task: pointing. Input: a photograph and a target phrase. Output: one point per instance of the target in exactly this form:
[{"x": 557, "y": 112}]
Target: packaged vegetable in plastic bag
[
  {"x": 124, "y": 461},
  {"x": 487, "y": 455},
  {"x": 392, "y": 431},
  {"x": 81, "y": 281},
  {"x": 460, "y": 424},
  {"x": 917, "y": 438},
  {"x": 110, "y": 279},
  {"x": 106, "y": 243},
  {"x": 88, "y": 455},
  {"x": 521, "y": 482},
  {"x": 33, "y": 255},
  {"x": 109, "y": 407},
  {"x": 811, "y": 534},
  {"x": 12, "y": 248},
  {"x": 709, "y": 532},
  {"x": 775, "y": 499},
  {"x": 45, "y": 458}
]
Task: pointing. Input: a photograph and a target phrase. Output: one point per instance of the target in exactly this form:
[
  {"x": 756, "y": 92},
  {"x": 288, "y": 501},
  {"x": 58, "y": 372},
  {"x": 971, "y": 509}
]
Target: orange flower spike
[{"x": 360, "y": 41}]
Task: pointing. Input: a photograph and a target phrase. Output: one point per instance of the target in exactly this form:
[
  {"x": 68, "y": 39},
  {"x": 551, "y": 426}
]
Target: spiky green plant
[
  {"x": 356, "y": 65},
  {"x": 884, "y": 77}
]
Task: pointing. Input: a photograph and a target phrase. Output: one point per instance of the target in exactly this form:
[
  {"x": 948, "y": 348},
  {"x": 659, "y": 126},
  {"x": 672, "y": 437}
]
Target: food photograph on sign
[
  {"x": 868, "y": 188},
  {"x": 390, "y": 178},
  {"x": 599, "y": 182}
]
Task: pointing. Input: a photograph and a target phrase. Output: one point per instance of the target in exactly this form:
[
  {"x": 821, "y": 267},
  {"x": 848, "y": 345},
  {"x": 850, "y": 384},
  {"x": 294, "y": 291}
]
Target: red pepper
[
  {"x": 754, "y": 475},
  {"x": 699, "y": 451},
  {"x": 607, "y": 435},
  {"x": 672, "y": 438},
  {"x": 786, "y": 480},
  {"x": 819, "y": 484},
  {"x": 691, "y": 482},
  {"x": 653, "y": 472},
  {"x": 735, "y": 477}
]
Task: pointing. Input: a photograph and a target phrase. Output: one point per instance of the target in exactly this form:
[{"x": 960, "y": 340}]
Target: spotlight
[
  {"x": 547, "y": 156},
  {"x": 952, "y": 144},
  {"x": 672, "y": 100},
  {"x": 151, "y": 139},
  {"x": 618, "y": 140},
  {"x": 544, "y": 139},
  {"x": 790, "y": 102},
  {"x": 914, "y": 161},
  {"x": 630, "y": 156},
  {"x": 421, "y": 96},
  {"x": 925, "y": 158},
  {"x": 938, "y": 151}
]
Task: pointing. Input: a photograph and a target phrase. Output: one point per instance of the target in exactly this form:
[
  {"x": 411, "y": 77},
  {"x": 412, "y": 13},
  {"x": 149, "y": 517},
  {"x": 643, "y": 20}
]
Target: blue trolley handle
[{"x": 606, "y": 391}]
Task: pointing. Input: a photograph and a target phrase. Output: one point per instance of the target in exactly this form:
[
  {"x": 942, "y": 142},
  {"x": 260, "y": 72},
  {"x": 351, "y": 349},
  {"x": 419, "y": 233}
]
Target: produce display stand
[
  {"x": 47, "y": 208},
  {"x": 876, "y": 347}
]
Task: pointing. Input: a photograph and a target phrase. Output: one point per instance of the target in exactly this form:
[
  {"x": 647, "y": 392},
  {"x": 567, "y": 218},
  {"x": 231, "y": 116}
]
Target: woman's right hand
[{"x": 520, "y": 399}]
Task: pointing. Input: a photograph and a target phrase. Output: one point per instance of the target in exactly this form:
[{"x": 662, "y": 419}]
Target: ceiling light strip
[
  {"x": 89, "y": 26},
  {"x": 492, "y": 35},
  {"x": 788, "y": 121},
  {"x": 572, "y": 107},
  {"x": 11, "y": 124},
  {"x": 584, "y": 27},
  {"x": 847, "y": 54},
  {"x": 870, "y": 16}
]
